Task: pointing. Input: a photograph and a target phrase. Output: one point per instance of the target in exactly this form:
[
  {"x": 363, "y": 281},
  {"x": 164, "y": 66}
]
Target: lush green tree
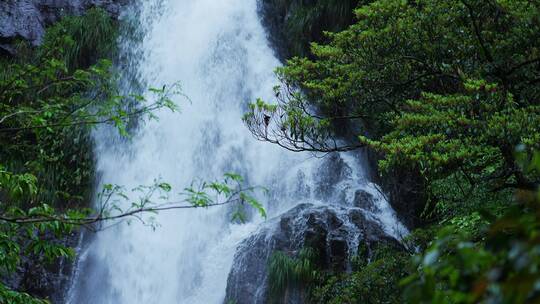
[
  {"x": 447, "y": 90},
  {"x": 472, "y": 66},
  {"x": 399, "y": 49},
  {"x": 48, "y": 96},
  {"x": 500, "y": 265},
  {"x": 472, "y": 136}
]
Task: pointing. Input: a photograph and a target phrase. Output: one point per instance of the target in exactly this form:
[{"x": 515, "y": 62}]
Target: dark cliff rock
[
  {"x": 405, "y": 190},
  {"x": 335, "y": 232},
  {"x": 293, "y": 24},
  {"x": 27, "y": 19}
]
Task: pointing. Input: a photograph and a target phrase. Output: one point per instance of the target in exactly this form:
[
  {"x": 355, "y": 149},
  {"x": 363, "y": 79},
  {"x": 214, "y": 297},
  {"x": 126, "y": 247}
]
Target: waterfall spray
[{"x": 219, "y": 53}]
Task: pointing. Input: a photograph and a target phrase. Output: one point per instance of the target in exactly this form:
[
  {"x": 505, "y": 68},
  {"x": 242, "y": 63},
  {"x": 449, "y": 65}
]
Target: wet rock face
[
  {"x": 274, "y": 16},
  {"x": 332, "y": 170},
  {"x": 335, "y": 232},
  {"x": 27, "y": 19},
  {"x": 364, "y": 200}
]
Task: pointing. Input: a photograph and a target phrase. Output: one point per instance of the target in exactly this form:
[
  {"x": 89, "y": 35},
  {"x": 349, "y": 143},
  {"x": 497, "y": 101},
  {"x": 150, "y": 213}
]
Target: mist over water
[{"x": 219, "y": 53}]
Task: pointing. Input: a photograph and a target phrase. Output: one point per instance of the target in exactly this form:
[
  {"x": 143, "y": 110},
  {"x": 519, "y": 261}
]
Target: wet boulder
[
  {"x": 334, "y": 232},
  {"x": 365, "y": 200},
  {"x": 331, "y": 172}
]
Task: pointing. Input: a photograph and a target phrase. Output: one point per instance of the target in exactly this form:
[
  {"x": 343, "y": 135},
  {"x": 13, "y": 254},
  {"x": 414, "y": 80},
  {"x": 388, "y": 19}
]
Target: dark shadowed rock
[
  {"x": 335, "y": 232},
  {"x": 364, "y": 200},
  {"x": 293, "y": 24}
]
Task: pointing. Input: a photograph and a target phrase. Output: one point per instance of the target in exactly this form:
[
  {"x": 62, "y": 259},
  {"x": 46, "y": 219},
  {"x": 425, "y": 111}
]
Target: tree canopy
[{"x": 448, "y": 90}]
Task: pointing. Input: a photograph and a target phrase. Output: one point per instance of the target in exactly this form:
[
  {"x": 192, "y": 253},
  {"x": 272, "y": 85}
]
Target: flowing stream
[{"x": 218, "y": 51}]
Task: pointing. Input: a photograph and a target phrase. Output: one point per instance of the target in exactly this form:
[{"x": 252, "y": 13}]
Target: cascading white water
[{"x": 219, "y": 53}]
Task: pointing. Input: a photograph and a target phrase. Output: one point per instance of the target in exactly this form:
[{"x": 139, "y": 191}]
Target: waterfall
[{"x": 219, "y": 53}]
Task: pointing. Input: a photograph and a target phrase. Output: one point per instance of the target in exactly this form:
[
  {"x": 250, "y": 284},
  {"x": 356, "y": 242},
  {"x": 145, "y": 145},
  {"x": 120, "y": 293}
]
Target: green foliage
[
  {"x": 465, "y": 142},
  {"x": 286, "y": 273},
  {"x": 475, "y": 132},
  {"x": 48, "y": 112},
  {"x": 376, "y": 281},
  {"x": 502, "y": 267},
  {"x": 82, "y": 40},
  {"x": 399, "y": 49},
  {"x": 13, "y": 297},
  {"x": 443, "y": 88},
  {"x": 41, "y": 88},
  {"x": 232, "y": 189}
]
